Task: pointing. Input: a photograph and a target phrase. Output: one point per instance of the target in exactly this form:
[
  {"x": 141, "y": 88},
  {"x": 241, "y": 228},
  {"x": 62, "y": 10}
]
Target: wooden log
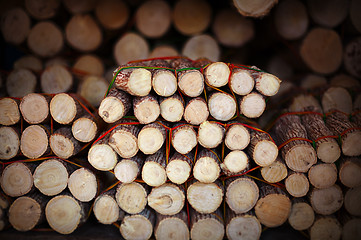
[
  {"x": 151, "y": 137},
  {"x": 321, "y": 50},
  {"x": 20, "y": 83},
  {"x": 41, "y": 10},
  {"x": 131, "y": 46},
  {"x": 351, "y": 201},
  {"x": 252, "y": 105},
  {"x": 207, "y": 166},
  {"x": 273, "y": 207},
  {"x": 112, "y": 14},
  {"x": 184, "y": 138},
  {"x": 9, "y": 142},
  {"x": 262, "y": 149},
  {"x": 202, "y": 46},
  {"x": 299, "y": 155},
  {"x": 322, "y": 175},
  {"x": 297, "y": 184},
  {"x": 328, "y": 14},
  {"x": 345, "y": 81},
  {"x": 102, "y": 156},
  {"x": 138, "y": 226},
  {"x": 241, "y": 81},
  {"x": 125, "y": 134},
  {"x": 63, "y": 144},
  {"x": 222, "y": 106},
  {"x": 17, "y": 179},
  {"x": 326, "y": 227},
  {"x": 114, "y": 106},
  {"x": 127, "y": 170},
  {"x": 153, "y": 172},
  {"x": 172, "y": 227},
  {"x": 15, "y": 26},
  {"x": 9, "y": 111},
  {"x": 163, "y": 51},
  {"x": 179, "y": 167},
  {"x": 350, "y": 172},
  {"x": 235, "y": 162},
  {"x": 196, "y": 111},
  {"x": 266, "y": 83},
  {"x": 146, "y": 109},
  {"x": 237, "y": 136},
  {"x": 275, "y": 172},
  {"x": 206, "y": 226},
  {"x": 172, "y": 108},
  {"x": 198, "y": 195},
  {"x": 106, "y": 209},
  {"x": 241, "y": 194},
  {"x": 83, "y": 184},
  {"x": 164, "y": 81},
  {"x": 244, "y": 225},
  {"x": 83, "y": 33},
  {"x": 84, "y": 129},
  {"x": 34, "y": 141},
  {"x": 80, "y": 6},
  {"x": 313, "y": 81},
  {"x": 56, "y": 79},
  {"x": 132, "y": 197},
  {"x": 210, "y": 134},
  {"x": 217, "y": 74},
  {"x": 326, "y": 201},
  {"x": 45, "y": 39},
  {"x": 337, "y": 98},
  {"x": 34, "y": 108},
  {"x": 92, "y": 89},
  {"x": 350, "y": 229},
  {"x": 89, "y": 64},
  {"x": 303, "y": 101},
  {"x": 255, "y": 9},
  {"x": 302, "y": 215}
]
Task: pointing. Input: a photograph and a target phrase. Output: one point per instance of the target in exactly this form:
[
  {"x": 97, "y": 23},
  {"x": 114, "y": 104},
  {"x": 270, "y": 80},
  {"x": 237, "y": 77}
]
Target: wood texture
[
  {"x": 132, "y": 46},
  {"x": 56, "y": 79},
  {"x": 102, "y": 156},
  {"x": 153, "y": 172},
  {"x": 297, "y": 184},
  {"x": 64, "y": 109},
  {"x": 63, "y": 144},
  {"x": 172, "y": 108},
  {"x": 222, "y": 106},
  {"x": 196, "y": 111},
  {"x": 9, "y": 142},
  {"x": 350, "y": 172},
  {"x": 132, "y": 197},
  {"x": 275, "y": 172},
  {"x": 235, "y": 162},
  {"x": 106, "y": 209},
  {"x": 262, "y": 149},
  {"x": 34, "y": 141},
  {"x": 146, "y": 109},
  {"x": 138, "y": 226},
  {"x": 34, "y": 108},
  {"x": 127, "y": 170},
  {"x": 242, "y": 226},
  {"x": 302, "y": 215},
  {"x": 255, "y": 9},
  {"x": 125, "y": 134},
  {"x": 151, "y": 137},
  {"x": 252, "y": 105},
  {"x": 20, "y": 83},
  {"x": 9, "y": 112},
  {"x": 172, "y": 227},
  {"x": 184, "y": 138},
  {"x": 85, "y": 128},
  {"x": 326, "y": 201},
  {"x": 322, "y": 175},
  {"x": 210, "y": 134},
  {"x": 207, "y": 166},
  {"x": 83, "y": 184},
  {"x": 205, "y": 226},
  {"x": 179, "y": 167},
  {"x": 237, "y": 136}
]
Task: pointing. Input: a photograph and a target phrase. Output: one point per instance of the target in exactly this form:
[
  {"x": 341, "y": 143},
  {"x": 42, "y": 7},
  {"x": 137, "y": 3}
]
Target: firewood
[
  {"x": 237, "y": 136},
  {"x": 83, "y": 184},
  {"x": 9, "y": 142},
  {"x": 167, "y": 199},
  {"x": 328, "y": 14},
  {"x": 207, "y": 166},
  {"x": 273, "y": 207},
  {"x": 56, "y": 79},
  {"x": 326, "y": 227},
  {"x": 266, "y": 83},
  {"x": 275, "y": 172},
  {"x": 202, "y": 46},
  {"x": 217, "y": 74},
  {"x": 20, "y": 83},
  {"x": 164, "y": 82},
  {"x": 15, "y": 26},
  {"x": 172, "y": 227},
  {"x": 83, "y": 33},
  {"x": 34, "y": 141},
  {"x": 138, "y": 226},
  {"x": 297, "y": 184},
  {"x": 345, "y": 81},
  {"x": 57, "y": 61},
  {"x": 245, "y": 225},
  {"x": 151, "y": 138},
  {"x": 146, "y": 109},
  {"x": 262, "y": 149},
  {"x": 63, "y": 144},
  {"x": 302, "y": 215},
  {"x": 326, "y": 201},
  {"x": 179, "y": 167},
  {"x": 198, "y": 195},
  {"x": 337, "y": 98},
  {"x": 9, "y": 111},
  {"x": 42, "y": 9},
  {"x": 350, "y": 172},
  {"x": 153, "y": 172},
  {"x": 102, "y": 156},
  {"x": 256, "y": 10},
  {"x": 89, "y": 64},
  {"x": 112, "y": 14},
  {"x": 114, "y": 106},
  {"x": 172, "y": 108},
  {"x": 241, "y": 81},
  {"x": 235, "y": 162},
  {"x": 92, "y": 89},
  {"x": 299, "y": 155},
  {"x": 241, "y": 194},
  {"x": 123, "y": 139},
  {"x": 184, "y": 138},
  {"x": 322, "y": 175},
  {"x": 85, "y": 128},
  {"x": 313, "y": 81},
  {"x": 352, "y": 200},
  {"x": 321, "y": 50},
  {"x": 206, "y": 226},
  {"x": 34, "y": 108},
  {"x": 127, "y": 170},
  {"x": 303, "y": 102},
  {"x": 132, "y": 197},
  {"x": 131, "y": 46},
  {"x": 80, "y": 6},
  {"x": 106, "y": 209},
  {"x": 350, "y": 229},
  {"x": 196, "y": 111},
  {"x": 252, "y": 105},
  {"x": 210, "y": 134},
  {"x": 355, "y": 6},
  {"x": 222, "y": 106},
  {"x": 163, "y": 51}
]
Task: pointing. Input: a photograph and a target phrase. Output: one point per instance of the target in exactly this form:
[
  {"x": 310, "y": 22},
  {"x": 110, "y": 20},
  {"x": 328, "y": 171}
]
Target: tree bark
[
  {"x": 34, "y": 108},
  {"x": 326, "y": 201},
  {"x": 179, "y": 167},
  {"x": 322, "y": 175},
  {"x": 20, "y": 83},
  {"x": 262, "y": 149},
  {"x": 207, "y": 167},
  {"x": 297, "y": 184},
  {"x": 210, "y": 134},
  {"x": 153, "y": 172},
  {"x": 236, "y": 162},
  {"x": 196, "y": 111},
  {"x": 302, "y": 215},
  {"x": 172, "y": 227},
  {"x": 244, "y": 225},
  {"x": 106, "y": 209},
  {"x": 275, "y": 172},
  {"x": 184, "y": 138},
  {"x": 125, "y": 134},
  {"x": 146, "y": 109},
  {"x": 138, "y": 226},
  {"x": 151, "y": 138},
  {"x": 63, "y": 144},
  {"x": 9, "y": 142},
  {"x": 132, "y": 197},
  {"x": 172, "y": 108},
  {"x": 34, "y": 141},
  {"x": 85, "y": 128},
  {"x": 252, "y": 105},
  {"x": 56, "y": 79},
  {"x": 241, "y": 81},
  {"x": 206, "y": 226},
  {"x": 9, "y": 112},
  {"x": 237, "y": 136},
  {"x": 350, "y": 172},
  {"x": 255, "y": 10},
  {"x": 127, "y": 170},
  {"x": 222, "y": 106}
]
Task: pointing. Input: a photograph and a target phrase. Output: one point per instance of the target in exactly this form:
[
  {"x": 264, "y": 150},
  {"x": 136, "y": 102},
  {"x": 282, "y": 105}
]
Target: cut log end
[
  {"x": 164, "y": 83},
  {"x": 204, "y": 197},
  {"x": 326, "y": 228},
  {"x": 191, "y": 83},
  {"x": 235, "y": 162},
  {"x": 63, "y": 108},
  {"x": 241, "y": 82},
  {"x": 297, "y": 185},
  {"x": 136, "y": 227},
  {"x": 153, "y": 174},
  {"x": 302, "y": 216},
  {"x": 178, "y": 171},
  {"x": 106, "y": 209},
  {"x": 150, "y": 140},
  {"x": 210, "y": 134},
  {"x": 350, "y": 173},
  {"x": 102, "y": 157},
  {"x": 126, "y": 171},
  {"x": 252, "y": 105},
  {"x": 301, "y": 157},
  {"x": 172, "y": 228},
  {"x": 9, "y": 143},
  {"x": 328, "y": 152},
  {"x": 131, "y": 197},
  {"x": 24, "y": 213},
  {"x": 140, "y": 82},
  {"x": 351, "y": 229},
  {"x": 256, "y": 9},
  {"x": 128, "y": 150},
  {"x": 268, "y": 84},
  {"x": 9, "y": 112},
  {"x": 16, "y": 180},
  {"x": 326, "y": 201},
  {"x": 146, "y": 110},
  {"x": 34, "y": 108},
  {"x": 217, "y": 74},
  {"x": 184, "y": 139},
  {"x": 352, "y": 200},
  {"x": 237, "y": 137},
  {"x": 208, "y": 228},
  {"x": 62, "y": 146},
  {"x": 222, "y": 106},
  {"x": 34, "y": 141},
  {"x": 172, "y": 109},
  {"x": 83, "y": 185},
  {"x": 322, "y": 175},
  {"x": 242, "y": 195},
  {"x": 56, "y": 79},
  {"x": 350, "y": 145},
  {"x": 247, "y": 227},
  {"x": 84, "y": 129},
  {"x": 196, "y": 111},
  {"x": 111, "y": 109},
  {"x": 206, "y": 169},
  {"x": 265, "y": 153},
  {"x": 275, "y": 172}
]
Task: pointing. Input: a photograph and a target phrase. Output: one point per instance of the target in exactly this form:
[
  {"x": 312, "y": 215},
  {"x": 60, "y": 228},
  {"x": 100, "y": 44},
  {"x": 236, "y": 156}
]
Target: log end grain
[
  {"x": 252, "y": 105},
  {"x": 84, "y": 129},
  {"x": 350, "y": 173},
  {"x": 106, "y": 209},
  {"x": 9, "y": 112},
  {"x": 16, "y": 180},
  {"x": 328, "y": 152},
  {"x": 128, "y": 150},
  {"x": 20, "y": 83},
  {"x": 242, "y": 195},
  {"x": 102, "y": 157},
  {"x": 172, "y": 109},
  {"x": 153, "y": 174},
  {"x": 237, "y": 137},
  {"x": 63, "y": 108},
  {"x": 164, "y": 83},
  {"x": 350, "y": 144},
  {"x": 204, "y": 197},
  {"x": 352, "y": 201},
  {"x": 206, "y": 169},
  {"x": 326, "y": 201},
  {"x": 83, "y": 184},
  {"x": 210, "y": 134},
  {"x": 275, "y": 172},
  {"x": 323, "y": 175},
  {"x": 184, "y": 140},
  {"x": 136, "y": 227},
  {"x": 337, "y": 98},
  {"x": 302, "y": 216},
  {"x": 9, "y": 143},
  {"x": 265, "y": 153},
  {"x": 202, "y": 46},
  {"x": 235, "y": 162},
  {"x": 267, "y": 84},
  {"x": 56, "y": 79},
  {"x": 24, "y": 213},
  {"x": 131, "y": 46},
  {"x": 34, "y": 108},
  {"x": 150, "y": 140},
  {"x": 62, "y": 146},
  {"x": 15, "y": 26},
  {"x": 112, "y": 14},
  {"x": 217, "y": 74},
  {"x": 34, "y": 141},
  {"x": 172, "y": 228},
  {"x": 241, "y": 82},
  {"x": 301, "y": 157},
  {"x": 351, "y": 229},
  {"x": 178, "y": 171},
  {"x": 93, "y": 88},
  {"x": 326, "y": 228},
  {"x": 146, "y": 110},
  {"x": 196, "y": 111},
  {"x": 131, "y": 197},
  {"x": 111, "y": 109},
  {"x": 222, "y": 106},
  {"x": 126, "y": 171},
  {"x": 255, "y": 9},
  {"x": 297, "y": 184},
  {"x": 208, "y": 228},
  {"x": 191, "y": 83},
  {"x": 247, "y": 227}
]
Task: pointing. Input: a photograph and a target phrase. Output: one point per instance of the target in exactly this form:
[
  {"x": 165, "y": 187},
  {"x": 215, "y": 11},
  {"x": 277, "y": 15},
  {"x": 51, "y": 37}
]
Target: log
[
  {"x": 326, "y": 201},
  {"x": 83, "y": 33},
  {"x": 262, "y": 149},
  {"x": 243, "y": 225},
  {"x": 132, "y": 197},
  {"x": 302, "y": 215},
  {"x": 328, "y": 14},
  {"x": 350, "y": 172},
  {"x": 256, "y": 9},
  {"x": 17, "y": 179},
  {"x": 9, "y": 142},
  {"x": 235, "y": 162},
  {"x": 80, "y": 6},
  {"x": 350, "y": 229},
  {"x": 297, "y": 184},
  {"x": 172, "y": 108},
  {"x": 131, "y": 46},
  {"x": 138, "y": 226},
  {"x": 153, "y": 172},
  {"x": 196, "y": 111},
  {"x": 199, "y": 195},
  {"x": 273, "y": 207},
  {"x": 106, "y": 209},
  {"x": 167, "y": 199},
  {"x": 210, "y": 134},
  {"x": 151, "y": 137},
  {"x": 127, "y": 170},
  {"x": 321, "y": 50},
  {"x": 9, "y": 111},
  {"x": 241, "y": 194},
  {"x": 266, "y": 83},
  {"x": 92, "y": 89},
  {"x": 125, "y": 134},
  {"x": 355, "y": 6},
  {"x": 345, "y": 81},
  {"x": 163, "y": 51},
  {"x": 112, "y": 14},
  {"x": 164, "y": 81},
  {"x": 351, "y": 201},
  {"x": 20, "y": 83},
  {"x": 146, "y": 109},
  {"x": 207, "y": 166},
  {"x": 184, "y": 138},
  {"x": 322, "y": 175},
  {"x": 216, "y": 74},
  {"x": 56, "y": 79},
  {"x": 241, "y": 81},
  {"x": 303, "y": 101},
  {"x": 275, "y": 172},
  {"x": 41, "y": 10},
  {"x": 222, "y": 106},
  {"x": 179, "y": 167},
  {"x": 206, "y": 226},
  {"x": 252, "y": 105},
  {"x": 114, "y": 106},
  {"x": 172, "y": 227},
  {"x": 63, "y": 144},
  {"x": 313, "y": 81},
  {"x": 202, "y": 46},
  {"x": 83, "y": 184},
  {"x": 84, "y": 129},
  {"x": 326, "y": 227},
  {"x": 34, "y": 141},
  {"x": 45, "y": 39},
  {"x": 337, "y": 98},
  {"x": 237, "y": 136},
  {"x": 102, "y": 156},
  {"x": 299, "y": 155},
  {"x": 88, "y": 64},
  {"x": 34, "y": 108},
  {"x": 15, "y": 26}
]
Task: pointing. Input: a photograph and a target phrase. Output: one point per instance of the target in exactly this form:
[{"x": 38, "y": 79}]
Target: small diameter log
[
  {"x": 323, "y": 175},
  {"x": 151, "y": 138},
  {"x": 172, "y": 108},
  {"x": 84, "y": 129},
  {"x": 34, "y": 108},
  {"x": 207, "y": 166},
  {"x": 184, "y": 138},
  {"x": 41, "y": 10},
  {"x": 56, "y": 79},
  {"x": 222, "y": 106},
  {"x": 112, "y": 14},
  {"x": 266, "y": 83},
  {"x": 102, "y": 156},
  {"x": 217, "y": 74},
  {"x": 138, "y": 226},
  {"x": 179, "y": 167},
  {"x": 210, "y": 134},
  {"x": 303, "y": 102},
  {"x": 297, "y": 184},
  {"x": 326, "y": 227},
  {"x": 337, "y": 98},
  {"x": 326, "y": 201},
  {"x": 83, "y": 184},
  {"x": 31, "y": 62},
  {"x": 123, "y": 139},
  {"x": 351, "y": 229},
  {"x": 242, "y": 226},
  {"x": 206, "y": 226},
  {"x": 132, "y": 197},
  {"x": 164, "y": 82},
  {"x": 241, "y": 81},
  {"x": 106, "y": 209},
  {"x": 20, "y": 82},
  {"x": 63, "y": 144},
  {"x": 252, "y": 105},
  {"x": 262, "y": 149},
  {"x": 299, "y": 155},
  {"x": 273, "y": 207},
  {"x": 302, "y": 215},
  {"x": 9, "y": 112},
  {"x": 131, "y": 46},
  {"x": 34, "y": 141},
  {"x": 328, "y": 14},
  {"x": 236, "y": 162},
  {"x": 254, "y": 9},
  {"x": 64, "y": 213},
  {"x": 356, "y": 117},
  {"x": 172, "y": 227},
  {"x": 241, "y": 194},
  {"x": 350, "y": 172},
  {"x": 163, "y": 50},
  {"x": 146, "y": 109},
  {"x": 88, "y": 64},
  {"x": 92, "y": 89},
  {"x": 275, "y": 172},
  {"x": 127, "y": 170},
  {"x": 196, "y": 111},
  {"x": 114, "y": 106},
  {"x": 237, "y": 137},
  {"x": 64, "y": 108},
  {"x": 339, "y": 124},
  {"x": 352, "y": 55},
  {"x": 153, "y": 172},
  {"x": 51, "y": 176},
  {"x": 202, "y": 46},
  {"x": 9, "y": 142},
  {"x": 167, "y": 199},
  {"x": 352, "y": 201},
  {"x": 17, "y": 179},
  {"x": 15, "y": 26},
  {"x": 205, "y": 197}
]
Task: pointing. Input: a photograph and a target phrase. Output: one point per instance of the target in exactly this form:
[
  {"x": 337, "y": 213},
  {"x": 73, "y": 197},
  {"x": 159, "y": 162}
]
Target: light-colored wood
[
  {"x": 84, "y": 129},
  {"x": 64, "y": 108},
  {"x": 125, "y": 134},
  {"x": 252, "y": 105},
  {"x": 326, "y": 201},
  {"x": 138, "y": 226},
  {"x": 235, "y": 162},
  {"x": 297, "y": 184},
  {"x": 210, "y": 134},
  {"x": 207, "y": 166},
  {"x": 172, "y": 227},
  {"x": 34, "y": 108},
  {"x": 131, "y": 46},
  {"x": 146, "y": 109},
  {"x": 93, "y": 89},
  {"x": 29, "y": 62},
  {"x": 262, "y": 149},
  {"x": 114, "y": 106},
  {"x": 127, "y": 170},
  {"x": 89, "y": 64},
  {"x": 323, "y": 175},
  {"x": 301, "y": 216},
  {"x": 266, "y": 83},
  {"x": 254, "y": 9},
  {"x": 80, "y": 6},
  {"x": 9, "y": 142},
  {"x": 112, "y": 14},
  {"x": 132, "y": 197},
  {"x": 63, "y": 144},
  {"x": 237, "y": 136},
  {"x": 184, "y": 138},
  {"x": 241, "y": 81},
  {"x": 242, "y": 226},
  {"x": 326, "y": 227},
  {"x": 328, "y": 14},
  {"x": 34, "y": 141},
  {"x": 15, "y": 26},
  {"x": 106, "y": 209},
  {"x": 355, "y": 8},
  {"x": 216, "y": 74},
  {"x": 164, "y": 82},
  {"x": 153, "y": 172},
  {"x": 206, "y": 226},
  {"x": 337, "y": 98},
  {"x": 151, "y": 138},
  {"x": 222, "y": 106},
  {"x": 172, "y": 108},
  {"x": 20, "y": 83},
  {"x": 351, "y": 229},
  {"x": 275, "y": 172},
  {"x": 352, "y": 56},
  {"x": 179, "y": 167},
  {"x": 303, "y": 101},
  {"x": 83, "y": 33},
  {"x": 56, "y": 79},
  {"x": 350, "y": 172},
  {"x": 42, "y": 9},
  {"x": 58, "y": 60},
  {"x": 167, "y": 199},
  {"x": 163, "y": 51},
  {"x": 102, "y": 156},
  {"x": 196, "y": 111},
  {"x": 9, "y": 111},
  {"x": 17, "y": 179},
  {"x": 83, "y": 184},
  {"x": 202, "y": 46},
  {"x": 351, "y": 201}
]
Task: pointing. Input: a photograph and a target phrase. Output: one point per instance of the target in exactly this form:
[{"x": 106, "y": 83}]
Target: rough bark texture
[
  {"x": 262, "y": 149},
  {"x": 63, "y": 144},
  {"x": 207, "y": 166}
]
